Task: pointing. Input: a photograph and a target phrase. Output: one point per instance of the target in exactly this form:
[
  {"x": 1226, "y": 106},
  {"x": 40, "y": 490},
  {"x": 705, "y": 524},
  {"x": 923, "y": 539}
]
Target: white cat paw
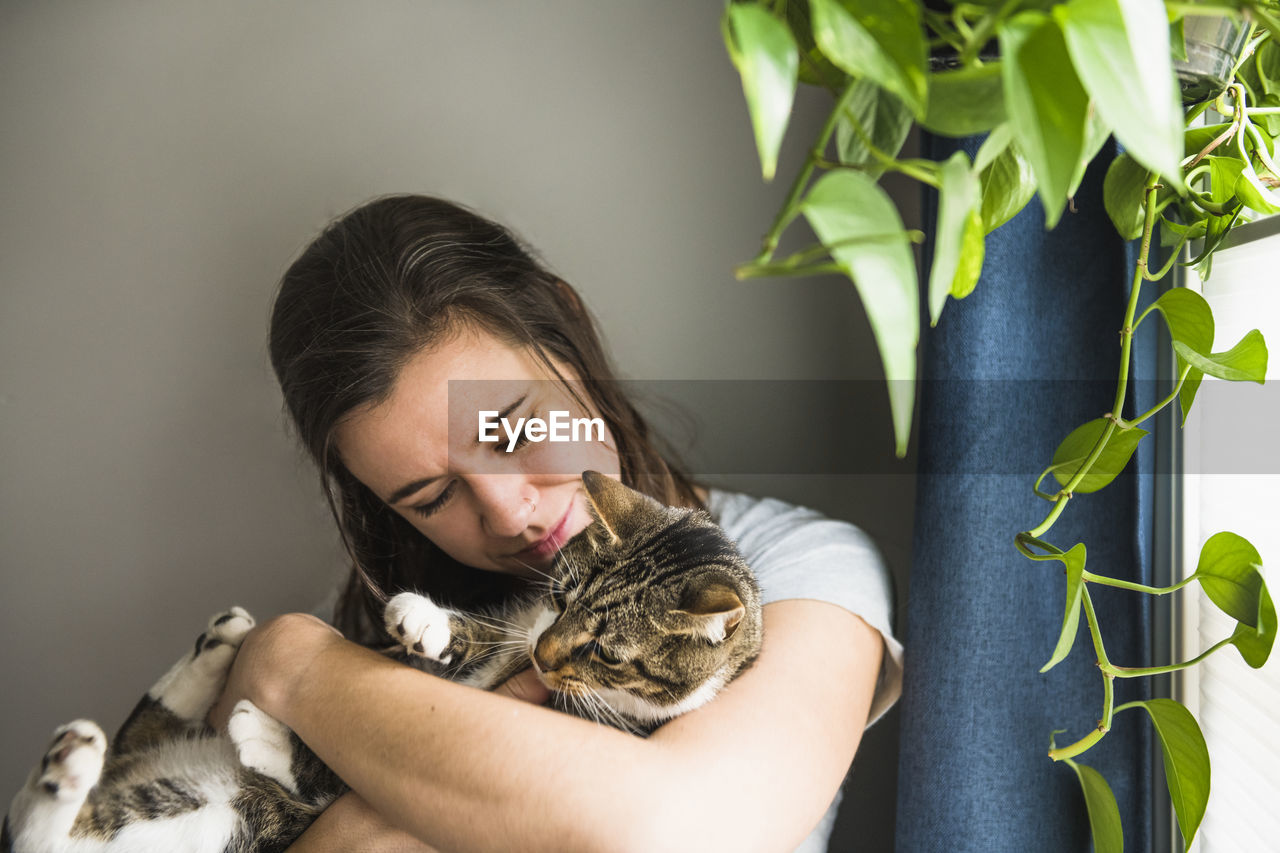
[
  {"x": 192, "y": 684},
  {"x": 73, "y": 762},
  {"x": 262, "y": 743},
  {"x": 230, "y": 626},
  {"x": 417, "y": 623},
  {"x": 216, "y": 648}
]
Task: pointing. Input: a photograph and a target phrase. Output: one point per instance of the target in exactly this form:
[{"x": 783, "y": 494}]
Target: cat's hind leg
[
  {"x": 44, "y": 810},
  {"x": 181, "y": 699}
]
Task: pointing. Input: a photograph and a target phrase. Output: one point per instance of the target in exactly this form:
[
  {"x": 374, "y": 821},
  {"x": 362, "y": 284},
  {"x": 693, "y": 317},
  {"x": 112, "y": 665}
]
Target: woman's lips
[{"x": 549, "y": 544}]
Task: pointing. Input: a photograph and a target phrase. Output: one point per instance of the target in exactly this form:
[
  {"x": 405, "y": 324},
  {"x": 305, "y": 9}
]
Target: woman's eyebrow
[{"x": 410, "y": 489}]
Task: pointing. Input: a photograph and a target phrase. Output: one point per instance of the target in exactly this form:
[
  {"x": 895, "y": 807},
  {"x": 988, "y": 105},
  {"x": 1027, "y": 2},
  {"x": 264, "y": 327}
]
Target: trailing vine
[{"x": 1047, "y": 81}]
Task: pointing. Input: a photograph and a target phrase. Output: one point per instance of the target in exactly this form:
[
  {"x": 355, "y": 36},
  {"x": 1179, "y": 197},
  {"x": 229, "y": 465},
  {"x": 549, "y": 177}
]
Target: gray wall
[{"x": 163, "y": 162}]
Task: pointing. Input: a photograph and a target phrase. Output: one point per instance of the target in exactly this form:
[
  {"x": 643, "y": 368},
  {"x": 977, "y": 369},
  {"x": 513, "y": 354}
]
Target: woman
[{"x": 371, "y": 323}]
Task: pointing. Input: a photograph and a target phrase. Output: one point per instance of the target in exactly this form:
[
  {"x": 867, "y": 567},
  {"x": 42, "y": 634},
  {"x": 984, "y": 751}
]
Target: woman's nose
[{"x": 506, "y": 504}]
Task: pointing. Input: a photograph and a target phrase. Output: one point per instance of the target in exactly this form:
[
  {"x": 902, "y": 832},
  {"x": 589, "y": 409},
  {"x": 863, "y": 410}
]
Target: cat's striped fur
[{"x": 646, "y": 614}]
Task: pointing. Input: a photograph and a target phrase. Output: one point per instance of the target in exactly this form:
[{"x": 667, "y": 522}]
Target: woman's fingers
[{"x": 525, "y": 686}]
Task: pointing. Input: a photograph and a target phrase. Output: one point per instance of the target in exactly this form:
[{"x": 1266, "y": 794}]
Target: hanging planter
[{"x": 1213, "y": 47}]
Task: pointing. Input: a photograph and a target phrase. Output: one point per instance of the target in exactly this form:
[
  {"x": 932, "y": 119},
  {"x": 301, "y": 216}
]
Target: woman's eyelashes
[{"x": 430, "y": 508}]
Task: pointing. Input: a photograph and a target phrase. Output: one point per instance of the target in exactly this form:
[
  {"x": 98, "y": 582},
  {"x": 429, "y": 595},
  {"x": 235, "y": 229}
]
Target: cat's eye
[{"x": 593, "y": 648}]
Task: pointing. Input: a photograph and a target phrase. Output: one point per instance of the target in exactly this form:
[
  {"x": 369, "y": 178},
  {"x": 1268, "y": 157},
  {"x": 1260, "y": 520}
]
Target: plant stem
[
  {"x": 982, "y": 32},
  {"x": 754, "y": 270},
  {"x": 1136, "y": 672},
  {"x": 1135, "y": 587},
  {"x": 1122, "y": 384},
  {"x": 1168, "y": 265},
  {"x": 1154, "y": 410},
  {"x": 1108, "y": 689},
  {"x": 790, "y": 207}
]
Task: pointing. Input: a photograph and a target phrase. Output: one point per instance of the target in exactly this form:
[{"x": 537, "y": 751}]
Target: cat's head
[{"x": 651, "y": 610}]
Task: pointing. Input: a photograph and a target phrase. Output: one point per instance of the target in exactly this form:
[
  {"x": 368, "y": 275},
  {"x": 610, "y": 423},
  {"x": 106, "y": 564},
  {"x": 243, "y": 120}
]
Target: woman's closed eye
[{"x": 433, "y": 506}]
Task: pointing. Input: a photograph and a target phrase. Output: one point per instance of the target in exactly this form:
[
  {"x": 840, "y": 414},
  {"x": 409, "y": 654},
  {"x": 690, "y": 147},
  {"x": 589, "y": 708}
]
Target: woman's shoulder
[{"x": 769, "y": 528}]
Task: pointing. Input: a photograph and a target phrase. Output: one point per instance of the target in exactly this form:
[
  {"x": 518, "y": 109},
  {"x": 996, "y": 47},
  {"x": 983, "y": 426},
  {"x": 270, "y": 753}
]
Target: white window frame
[{"x": 1182, "y": 504}]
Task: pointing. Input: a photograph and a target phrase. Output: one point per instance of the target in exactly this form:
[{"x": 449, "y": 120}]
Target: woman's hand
[
  {"x": 525, "y": 686},
  {"x": 273, "y": 657}
]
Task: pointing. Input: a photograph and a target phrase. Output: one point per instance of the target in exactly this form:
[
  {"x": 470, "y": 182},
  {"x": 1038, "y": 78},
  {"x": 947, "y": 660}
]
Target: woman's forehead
[{"x": 436, "y": 400}]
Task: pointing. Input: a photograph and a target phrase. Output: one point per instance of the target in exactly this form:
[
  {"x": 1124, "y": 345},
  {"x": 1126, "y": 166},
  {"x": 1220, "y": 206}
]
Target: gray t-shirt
[{"x": 799, "y": 553}]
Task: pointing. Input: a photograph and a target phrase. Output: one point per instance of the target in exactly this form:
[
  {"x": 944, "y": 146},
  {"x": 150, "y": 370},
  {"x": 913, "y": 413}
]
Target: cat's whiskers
[{"x": 617, "y": 719}]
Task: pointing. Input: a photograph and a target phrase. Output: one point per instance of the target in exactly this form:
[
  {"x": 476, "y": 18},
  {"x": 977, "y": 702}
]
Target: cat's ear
[
  {"x": 712, "y": 610},
  {"x": 620, "y": 510}
]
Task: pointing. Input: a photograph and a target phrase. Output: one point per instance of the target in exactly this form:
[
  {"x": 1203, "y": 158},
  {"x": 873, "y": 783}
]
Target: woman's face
[{"x": 487, "y": 507}]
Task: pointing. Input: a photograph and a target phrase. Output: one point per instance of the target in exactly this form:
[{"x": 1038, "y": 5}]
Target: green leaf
[
  {"x": 881, "y": 116},
  {"x": 1173, "y": 231},
  {"x": 1254, "y": 642},
  {"x": 965, "y": 101},
  {"x": 765, "y": 54},
  {"x": 1254, "y": 194},
  {"x": 1189, "y": 317},
  {"x": 1074, "y": 562},
  {"x": 1244, "y": 362},
  {"x": 1267, "y": 64},
  {"x": 958, "y": 248},
  {"x": 848, "y": 206},
  {"x": 815, "y": 69},
  {"x": 1007, "y": 185},
  {"x": 1190, "y": 321},
  {"x": 1228, "y": 573},
  {"x": 993, "y": 146},
  {"x": 1226, "y": 570},
  {"x": 1095, "y": 136},
  {"x": 1178, "y": 40},
  {"x": 1104, "y": 814},
  {"x": 1186, "y": 762},
  {"x": 1223, "y": 174},
  {"x": 1123, "y": 192},
  {"x": 1047, "y": 105},
  {"x": 1077, "y": 446},
  {"x": 879, "y": 39},
  {"x": 1269, "y": 124},
  {"x": 1120, "y": 50}
]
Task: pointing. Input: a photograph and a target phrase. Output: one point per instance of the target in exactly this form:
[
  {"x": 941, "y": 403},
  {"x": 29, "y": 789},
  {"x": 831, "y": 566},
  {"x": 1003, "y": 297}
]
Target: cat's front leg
[
  {"x": 421, "y": 626},
  {"x": 43, "y": 811}
]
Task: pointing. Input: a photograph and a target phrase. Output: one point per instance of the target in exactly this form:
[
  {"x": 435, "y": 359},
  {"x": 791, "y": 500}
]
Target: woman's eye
[
  {"x": 429, "y": 509},
  {"x": 522, "y": 438}
]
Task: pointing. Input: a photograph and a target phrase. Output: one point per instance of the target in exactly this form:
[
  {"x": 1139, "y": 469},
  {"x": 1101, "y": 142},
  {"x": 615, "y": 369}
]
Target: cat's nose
[
  {"x": 549, "y": 654},
  {"x": 541, "y": 657}
]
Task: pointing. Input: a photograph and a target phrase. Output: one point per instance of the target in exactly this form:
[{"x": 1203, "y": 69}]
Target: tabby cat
[{"x": 645, "y": 615}]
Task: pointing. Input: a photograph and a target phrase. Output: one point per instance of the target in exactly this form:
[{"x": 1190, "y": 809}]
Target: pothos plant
[{"x": 1048, "y": 81}]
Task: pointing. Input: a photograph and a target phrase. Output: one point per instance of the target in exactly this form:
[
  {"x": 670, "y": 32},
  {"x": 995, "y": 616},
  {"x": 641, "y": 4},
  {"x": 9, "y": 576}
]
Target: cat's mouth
[{"x": 565, "y": 683}]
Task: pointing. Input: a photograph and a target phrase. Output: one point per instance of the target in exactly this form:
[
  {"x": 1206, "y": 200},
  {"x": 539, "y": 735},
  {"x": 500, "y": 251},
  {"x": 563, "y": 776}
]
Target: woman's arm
[{"x": 466, "y": 770}]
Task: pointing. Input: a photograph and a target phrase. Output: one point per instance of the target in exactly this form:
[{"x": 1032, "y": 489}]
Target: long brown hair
[{"x": 376, "y": 287}]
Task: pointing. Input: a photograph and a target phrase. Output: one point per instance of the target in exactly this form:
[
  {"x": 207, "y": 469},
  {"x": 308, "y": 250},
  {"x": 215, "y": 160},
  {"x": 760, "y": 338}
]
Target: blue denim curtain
[{"x": 1009, "y": 371}]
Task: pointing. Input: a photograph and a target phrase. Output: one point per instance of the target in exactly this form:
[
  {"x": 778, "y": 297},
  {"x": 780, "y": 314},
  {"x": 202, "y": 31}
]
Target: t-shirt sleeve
[{"x": 797, "y": 552}]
